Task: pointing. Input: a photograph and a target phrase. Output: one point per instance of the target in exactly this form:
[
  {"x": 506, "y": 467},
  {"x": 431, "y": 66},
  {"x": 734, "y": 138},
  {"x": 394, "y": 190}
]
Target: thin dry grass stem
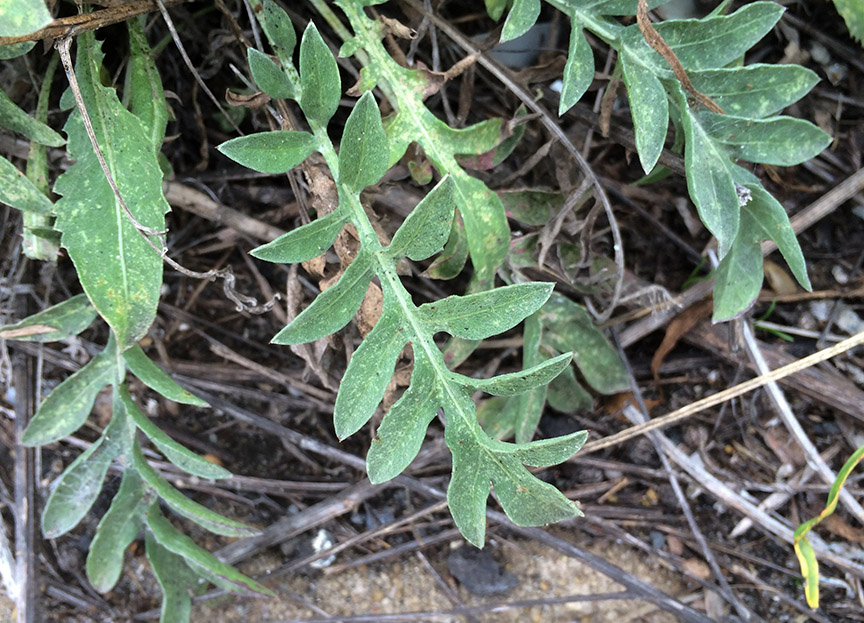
[
  {"x": 727, "y": 394},
  {"x": 724, "y": 588},
  {"x": 792, "y": 424}
]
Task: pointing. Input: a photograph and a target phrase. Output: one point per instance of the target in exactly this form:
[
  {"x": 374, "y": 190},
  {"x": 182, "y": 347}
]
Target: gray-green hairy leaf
[
  {"x": 58, "y": 322},
  {"x": 319, "y": 76},
  {"x": 522, "y": 16},
  {"x": 15, "y": 119},
  {"x": 19, "y": 192},
  {"x": 22, "y": 17},
  {"x": 363, "y": 152},
  {"x": 182, "y": 457},
  {"x": 481, "y": 315},
  {"x": 570, "y": 328},
  {"x": 184, "y": 547},
  {"x": 203, "y": 516},
  {"x": 66, "y": 408},
  {"x": 332, "y": 309},
  {"x": 117, "y": 529},
  {"x": 269, "y": 76},
  {"x": 143, "y": 91},
  {"x": 305, "y": 242},
  {"x": 518, "y": 382},
  {"x": 710, "y": 182},
  {"x": 156, "y": 379},
  {"x": 78, "y": 486},
  {"x": 425, "y": 231},
  {"x": 368, "y": 373},
  {"x": 738, "y": 277},
  {"x": 120, "y": 272},
  {"x": 649, "y": 108},
  {"x": 782, "y": 141},
  {"x": 270, "y": 152},
  {"x": 278, "y": 28},
  {"x": 578, "y": 71},
  {"x": 403, "y": 428},
  {"x": 754, "y": 91},
  {"x": 175, "y": 580}
]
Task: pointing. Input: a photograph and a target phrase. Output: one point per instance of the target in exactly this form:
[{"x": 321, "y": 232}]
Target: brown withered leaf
[
  {"x": 370, "y": 309},
  {"x": 679, "y": 326},
  {"x": 397, "y": 28},
  {"x": 35, "y": 329},
  {"x": 778, "y": 279},
  {"x": 840, "y": 527},
  {"x": 254, "y": 100}
]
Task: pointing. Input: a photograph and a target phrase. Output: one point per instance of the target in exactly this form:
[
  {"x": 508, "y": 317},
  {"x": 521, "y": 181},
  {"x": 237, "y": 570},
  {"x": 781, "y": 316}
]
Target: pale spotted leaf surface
[{"x": 119, "y": 271}]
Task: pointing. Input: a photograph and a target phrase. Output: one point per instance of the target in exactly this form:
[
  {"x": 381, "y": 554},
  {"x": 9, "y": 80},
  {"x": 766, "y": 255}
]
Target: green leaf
[
  {"x": 15, "y": 119},
  {"x": 369, "y": 372},
  {"x": 853, "y": 14},
  {"x": 319, "y": 76},
  {"x": 718, "y": 41},
  {"x": 120, "y": 272},
  {"x": 19, "y": 192},
  {"x": 452, "y": 259},
  {"x": 22, "y": 17},
  {"x": 569, "y": 327},
  {"x": 566, "y": 395},
  {"x": 709, "y": 182},
  {"x": 117, "y": 529},
  {"x": 526, "y": 500},
  {"x": 522, "y": 16},
  {"x": 363, "y": 152},
  {"x": 527, "y": 408},
  {"x": 485, "y": 228},
  {"x": 269, "y": 76},
  {"x": 58, "y": 322},
  {"x": 156, "y": 379},
  {"x": 175, "y": 579},
  {"x": 517, "y": 382},
  {"x": 754, "y": 91},
  {"x": 78, "y": 486},
  {"x": 771, "y": 220},
  {"x": 403, "y": 429},
  {"x": 66, "y": 408},
  {"x": 532, "y": 206},
  {"x": 181, "y": 545},
  {"x": 424, "y": 232},
  {"x": 14, "y": 50},
  {"x": 809, "y": 570},
  {"x": 203, "y": 516},
  {"x": 143, "y": 90},
  {"x": 548, "y": 452},
  {"x": 578, "y": 71},
  {"x": 481, "y": 315},
  {"x": 782, "y": 141},
  {"x": 738, "y": 277},
  {"x": 497, "y": 415},
  {"x": 332, "y": 309},
  {"x": 182, "y": 457},
  {"x": 649, "y": 107},
  {"x": 270, "y": 152},
  {"x": 305, "y": 242},
  {"x": 495, "y": 8},
  {"x": 278, "y": 28}
]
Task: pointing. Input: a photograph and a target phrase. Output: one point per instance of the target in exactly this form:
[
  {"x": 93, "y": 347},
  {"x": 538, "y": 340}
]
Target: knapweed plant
[{"x": 109, "y": 217}]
